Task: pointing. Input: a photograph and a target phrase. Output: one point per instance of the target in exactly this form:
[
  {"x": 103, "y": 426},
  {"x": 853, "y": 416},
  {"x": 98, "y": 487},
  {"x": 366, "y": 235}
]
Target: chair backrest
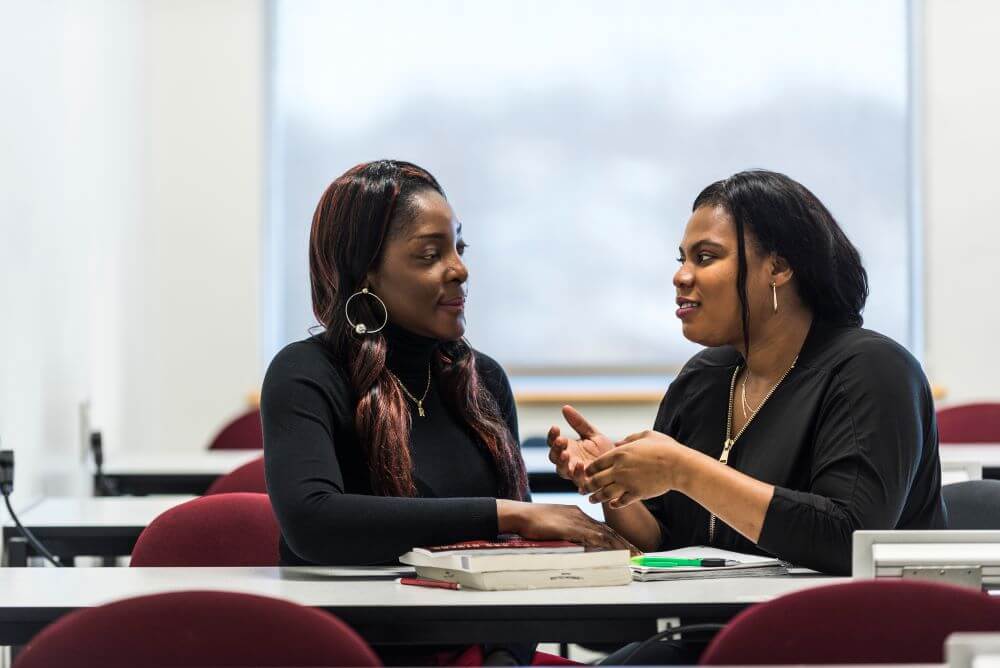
[
  {"x": 242, "y": 433},
  {"x": 973, "y": 504},
  {"x": 197, "y": 628},
  {"x": 969, "y": 423},
  {"x": 246, "y": 478},
  {"x": 221, "y": 530},
  {"x": 864, "y": 621},
  {"x": 534, "y": 442}
]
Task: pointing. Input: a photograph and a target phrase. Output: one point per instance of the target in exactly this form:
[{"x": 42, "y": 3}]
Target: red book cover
[{"x": 506, "y": 544}]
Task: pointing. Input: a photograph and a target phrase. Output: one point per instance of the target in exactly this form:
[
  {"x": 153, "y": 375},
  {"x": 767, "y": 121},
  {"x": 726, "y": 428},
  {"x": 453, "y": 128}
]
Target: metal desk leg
[{"x": 17, "y": 552}]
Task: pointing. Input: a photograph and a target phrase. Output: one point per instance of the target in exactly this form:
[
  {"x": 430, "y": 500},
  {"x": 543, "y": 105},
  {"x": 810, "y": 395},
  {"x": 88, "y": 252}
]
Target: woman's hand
[
  {"x": 572, "y": 457},
  {"x": 641, "y": 466},
  {"x": 548, "y": 521}
]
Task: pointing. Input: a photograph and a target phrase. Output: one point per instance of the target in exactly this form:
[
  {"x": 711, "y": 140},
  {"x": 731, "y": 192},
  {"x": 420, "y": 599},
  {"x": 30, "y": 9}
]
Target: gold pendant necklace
[
  {"x": 419, "y": 402},
  {"x": 730, "y": 441}
]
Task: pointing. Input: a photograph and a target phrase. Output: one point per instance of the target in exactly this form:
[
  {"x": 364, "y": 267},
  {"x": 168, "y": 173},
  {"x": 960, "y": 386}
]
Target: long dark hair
[
  {"x": 352, "y": 220},
  {"x": 785, "y": 218}
]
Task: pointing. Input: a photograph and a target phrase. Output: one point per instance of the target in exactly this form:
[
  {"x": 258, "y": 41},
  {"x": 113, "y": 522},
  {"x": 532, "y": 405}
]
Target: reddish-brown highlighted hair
[{"x": 352, "y": 220}]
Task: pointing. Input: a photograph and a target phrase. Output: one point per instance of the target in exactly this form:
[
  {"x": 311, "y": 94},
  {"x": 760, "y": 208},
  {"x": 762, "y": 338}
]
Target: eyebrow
[
  {"x": 437, "y": 235},
  {"x": 703, "y": 243}
]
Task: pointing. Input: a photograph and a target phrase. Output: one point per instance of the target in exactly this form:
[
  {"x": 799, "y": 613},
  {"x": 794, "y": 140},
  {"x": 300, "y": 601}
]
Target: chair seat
[
  {"x": 197, "y": 629},
  {"x": 973, "y": 504},
  {"x": 246, "y": 478},
  {"x": 237, "y": 529},
  {"x": 866, "y": 621},
  {"x": 242, "y": 433}
]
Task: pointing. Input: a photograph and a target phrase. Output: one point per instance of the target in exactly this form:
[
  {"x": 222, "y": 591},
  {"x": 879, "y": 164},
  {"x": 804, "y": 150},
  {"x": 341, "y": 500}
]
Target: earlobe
[{"x": 781, "y": 272}]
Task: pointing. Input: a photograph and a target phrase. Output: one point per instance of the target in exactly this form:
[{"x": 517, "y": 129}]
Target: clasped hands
[{"x": 640, "y": 466}]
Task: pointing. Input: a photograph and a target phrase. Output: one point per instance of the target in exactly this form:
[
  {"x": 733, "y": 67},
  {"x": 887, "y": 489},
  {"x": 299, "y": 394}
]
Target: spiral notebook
[{"x": 750, "y": 565}]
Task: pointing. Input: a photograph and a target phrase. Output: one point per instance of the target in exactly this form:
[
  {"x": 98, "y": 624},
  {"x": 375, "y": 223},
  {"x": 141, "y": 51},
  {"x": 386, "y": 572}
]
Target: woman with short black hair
[{"x": 795, "y": 427}]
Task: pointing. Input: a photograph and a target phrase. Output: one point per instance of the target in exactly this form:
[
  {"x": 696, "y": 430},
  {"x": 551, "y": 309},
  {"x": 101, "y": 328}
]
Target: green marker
[{"x": 669, "y": 562}]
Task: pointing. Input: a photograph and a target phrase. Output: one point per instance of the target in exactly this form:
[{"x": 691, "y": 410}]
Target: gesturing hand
[
  {"x": 641, "y": 466},
  {"x": 572, "y": 456}
]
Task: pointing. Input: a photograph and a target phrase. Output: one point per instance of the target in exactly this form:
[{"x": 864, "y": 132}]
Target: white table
[
  {"x": 85, "y": 526},
  {"x": 986, "y": 454},
  {"x": 955, "y": 470},
  {"x": 191, "y": 472},
  {"x": 174, "y": 472},
  {"x": 386, "y": 612},
  {"x": 109, "y": 526}
]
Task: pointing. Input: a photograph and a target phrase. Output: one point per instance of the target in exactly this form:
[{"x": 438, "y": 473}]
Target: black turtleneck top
[
  {"x": 848, "y": 439},
  {"x": 318, "y": 478}
]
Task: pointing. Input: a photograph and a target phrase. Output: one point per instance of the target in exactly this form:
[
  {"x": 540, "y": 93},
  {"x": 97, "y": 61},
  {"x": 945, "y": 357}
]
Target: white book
[
  {"x": 748, "y": 565},
  {"x": 521, "y": 560},
  {"x": 541, "y": 579}
]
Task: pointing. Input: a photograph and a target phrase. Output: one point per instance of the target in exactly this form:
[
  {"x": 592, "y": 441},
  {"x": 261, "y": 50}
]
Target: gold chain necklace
[
  {"x": 419, "y": 402},
  {"x": 730, "y": 441},
  {"x": 747, "y": 408}
]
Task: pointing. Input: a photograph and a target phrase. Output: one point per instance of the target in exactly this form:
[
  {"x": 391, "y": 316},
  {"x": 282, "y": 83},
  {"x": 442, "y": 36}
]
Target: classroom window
[{"x": 571, "y": 138}]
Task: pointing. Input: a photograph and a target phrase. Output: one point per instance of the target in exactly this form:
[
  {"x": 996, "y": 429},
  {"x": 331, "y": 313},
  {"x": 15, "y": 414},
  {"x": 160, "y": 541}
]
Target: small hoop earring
[
  {"x": 774, "y": 293},
  {"x": 361, "y": 328}
]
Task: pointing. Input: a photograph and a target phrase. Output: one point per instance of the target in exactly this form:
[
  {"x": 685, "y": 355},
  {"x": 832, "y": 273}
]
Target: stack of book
[{"x": 516, "y": 563}]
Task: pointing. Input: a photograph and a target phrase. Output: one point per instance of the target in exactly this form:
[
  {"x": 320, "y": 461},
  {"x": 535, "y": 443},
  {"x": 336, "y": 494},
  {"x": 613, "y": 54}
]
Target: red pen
[{"x": 422, "y": 582}]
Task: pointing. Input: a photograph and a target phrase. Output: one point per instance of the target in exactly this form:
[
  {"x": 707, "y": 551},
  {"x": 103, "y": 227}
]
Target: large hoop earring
[
  {"x": 774, "y": 293},
  {"x": 361, "y": 328}
]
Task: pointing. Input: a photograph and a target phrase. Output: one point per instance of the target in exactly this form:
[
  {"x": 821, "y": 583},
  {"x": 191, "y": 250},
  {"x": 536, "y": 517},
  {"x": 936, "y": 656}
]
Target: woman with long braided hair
[{"x": 387, "y": 430}]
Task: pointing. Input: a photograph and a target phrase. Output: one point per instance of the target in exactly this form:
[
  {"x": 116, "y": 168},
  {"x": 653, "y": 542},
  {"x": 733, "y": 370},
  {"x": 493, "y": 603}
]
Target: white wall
[
  {"x": 961, "y": 93},
  {"x": 131, "y": 190},
  {"x": 69, "y": 128},
  {"x": 192, "y": 336}
]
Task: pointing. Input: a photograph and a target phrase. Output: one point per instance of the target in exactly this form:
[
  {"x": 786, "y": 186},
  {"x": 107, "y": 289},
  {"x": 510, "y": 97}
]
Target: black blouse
[
  {"x": 318, "y": 477},
  {"x": 849, "y": 440}
]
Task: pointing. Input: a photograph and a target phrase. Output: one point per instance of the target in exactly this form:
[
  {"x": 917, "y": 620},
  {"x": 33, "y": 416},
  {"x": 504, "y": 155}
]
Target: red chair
[
  {"x": 246, "y": 478},
  {"x": 473, "y": 656},
  {"x": 243, "y": 433},
  {"x": 221, "y": 530},
  {"x": 197, "y": 628},
  {"x": 865, "y": 621},
  {"x": 546, "y": 659},
  {"x": 969, "y": 423},
  {"x": 238, "y": 529}
]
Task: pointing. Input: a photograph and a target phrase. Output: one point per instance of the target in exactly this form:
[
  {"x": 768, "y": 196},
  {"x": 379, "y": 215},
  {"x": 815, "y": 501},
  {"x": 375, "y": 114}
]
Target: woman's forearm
[
  {"x": 735, "y": 498},
  {"x": 636, "y": 524}
]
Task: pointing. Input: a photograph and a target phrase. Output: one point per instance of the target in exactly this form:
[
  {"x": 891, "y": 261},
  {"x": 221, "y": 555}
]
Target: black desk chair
[
  {"x": 534, "y": 442},
  {"x": 973, "y": 504}
]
